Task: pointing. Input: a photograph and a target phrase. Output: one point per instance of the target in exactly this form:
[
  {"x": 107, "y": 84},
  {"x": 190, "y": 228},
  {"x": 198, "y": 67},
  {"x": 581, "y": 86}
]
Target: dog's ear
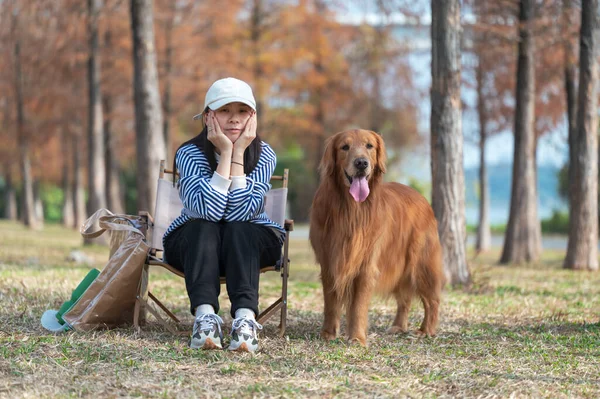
[
  {"x": 381, "y": 154},
  {"x": 328, "y": 160}
]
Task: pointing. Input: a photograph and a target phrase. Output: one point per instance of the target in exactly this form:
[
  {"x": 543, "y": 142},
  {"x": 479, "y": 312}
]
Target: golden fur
[{"x": 387, "y": 244}]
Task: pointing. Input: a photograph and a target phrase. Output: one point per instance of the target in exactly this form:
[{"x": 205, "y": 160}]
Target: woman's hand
[
  {"x": 216, "y": 135},
  {"x": 247, "y": 135}
]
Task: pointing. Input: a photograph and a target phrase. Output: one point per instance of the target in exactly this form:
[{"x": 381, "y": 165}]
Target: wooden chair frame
[{"x": 142, "y": 301}]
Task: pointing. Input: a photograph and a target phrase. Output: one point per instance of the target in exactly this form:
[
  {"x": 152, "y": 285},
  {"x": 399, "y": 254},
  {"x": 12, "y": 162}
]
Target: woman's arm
[
  {"x": 246, "y": 203},
  {"x": 202, "y": 192}
]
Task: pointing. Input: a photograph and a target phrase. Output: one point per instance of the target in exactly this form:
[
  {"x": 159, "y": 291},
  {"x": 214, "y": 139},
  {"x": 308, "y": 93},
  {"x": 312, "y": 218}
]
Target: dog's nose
[{"x": 361, "y": 163}]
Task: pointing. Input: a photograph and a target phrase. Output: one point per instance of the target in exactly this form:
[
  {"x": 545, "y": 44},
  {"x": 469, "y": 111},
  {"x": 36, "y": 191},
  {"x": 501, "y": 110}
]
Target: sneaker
[
  {"x": 207, "y": 333},
  {"x": 244, "y": 335}
]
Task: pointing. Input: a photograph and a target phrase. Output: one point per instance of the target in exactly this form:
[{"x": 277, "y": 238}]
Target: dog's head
[{"x": 355, "y": 159}]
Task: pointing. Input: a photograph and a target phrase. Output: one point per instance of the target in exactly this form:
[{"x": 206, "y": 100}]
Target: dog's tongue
[{"x": 359, "y": 189}]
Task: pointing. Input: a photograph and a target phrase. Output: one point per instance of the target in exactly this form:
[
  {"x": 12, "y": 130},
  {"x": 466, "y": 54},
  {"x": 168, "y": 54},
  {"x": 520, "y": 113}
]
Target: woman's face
[{"x": 232, "y": 119}]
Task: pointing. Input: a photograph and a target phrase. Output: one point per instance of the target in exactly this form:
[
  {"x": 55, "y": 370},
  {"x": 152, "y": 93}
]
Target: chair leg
[
  {"x": 163, "y": 307},
  {"x": 136, "y": 314},
  {"x": 268, "y": 312},
  {"x": 142, "y": 304},
  {"x": 164, "y": 322},
  {"x": 143, "y": 285},
  {"x": 283, "y": 322},
  {"x": 283, "y": 318},
  {"x": 284, "y": 284}
]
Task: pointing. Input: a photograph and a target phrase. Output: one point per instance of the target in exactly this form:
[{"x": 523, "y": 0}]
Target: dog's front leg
[
  {"x": 357, "y": 313},
  {"x": 332, "y": 309}
]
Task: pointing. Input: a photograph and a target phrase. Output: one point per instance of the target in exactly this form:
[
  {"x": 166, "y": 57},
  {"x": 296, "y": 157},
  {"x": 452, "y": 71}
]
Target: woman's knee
[
  {"x": 199, "y": 231},
  {"x": 233, "y": 231}
]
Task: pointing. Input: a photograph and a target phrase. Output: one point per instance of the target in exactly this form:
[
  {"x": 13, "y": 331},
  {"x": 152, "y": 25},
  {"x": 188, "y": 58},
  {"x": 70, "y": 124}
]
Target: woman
[{"x": 223, "y": 229}]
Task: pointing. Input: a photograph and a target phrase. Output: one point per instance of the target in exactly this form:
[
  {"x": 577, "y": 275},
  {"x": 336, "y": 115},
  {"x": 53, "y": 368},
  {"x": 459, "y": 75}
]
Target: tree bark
[
  {"x": 38, "y": 204},
  {"x": 582, "y": 248},
  {"x": 522, "y": 242},
  {"x": 68, "y": 215},
  {"x": 448, "y": 186},
  {"x": 167, "y": 76},
  {"x": 150, "y": 144},
  {"x": 114, "y": 196},
  {"x": 484, "y": 235},
  {"x": 96, "y": 162},
  {"x": 78, "y": 189},
  {"x": 258, "y": 70},
  {"x": 570, "y": 59},
  {"x": 28, "y": 201},
  {"x": 10, "y": 196},
  {"x": 375, "y": 59}
]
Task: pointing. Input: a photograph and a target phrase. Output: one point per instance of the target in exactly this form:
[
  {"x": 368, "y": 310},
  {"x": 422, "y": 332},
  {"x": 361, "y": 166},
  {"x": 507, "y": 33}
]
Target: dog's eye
[
  {"x": 345, "y": 147},
  {"x": 369, "y": 145}
]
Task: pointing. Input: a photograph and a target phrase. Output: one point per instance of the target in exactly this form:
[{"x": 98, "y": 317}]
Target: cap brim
[
  {"x": 51, "y": 323},
  {"x": 219, "y": 103}
]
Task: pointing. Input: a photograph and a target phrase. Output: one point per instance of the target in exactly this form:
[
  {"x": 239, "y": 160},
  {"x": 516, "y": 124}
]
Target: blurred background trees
[
  {"x": 312, "y": 76},
  {"x": 70, "y": 107}
]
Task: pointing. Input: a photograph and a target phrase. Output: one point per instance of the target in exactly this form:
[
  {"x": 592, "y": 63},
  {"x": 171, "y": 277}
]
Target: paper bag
[{"x": 110, "y": 299}]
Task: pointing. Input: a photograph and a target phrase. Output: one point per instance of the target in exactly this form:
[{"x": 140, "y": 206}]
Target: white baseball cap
[{"x": 225, "y": 91}]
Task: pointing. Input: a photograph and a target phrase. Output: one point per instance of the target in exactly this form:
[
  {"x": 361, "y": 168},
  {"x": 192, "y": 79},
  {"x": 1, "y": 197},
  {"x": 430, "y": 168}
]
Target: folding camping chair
[{"x": 168, "y": 207}]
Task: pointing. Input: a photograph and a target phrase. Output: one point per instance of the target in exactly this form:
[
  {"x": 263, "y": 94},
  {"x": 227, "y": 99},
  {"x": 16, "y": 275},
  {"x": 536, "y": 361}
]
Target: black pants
[{"x": 204, "y": 251}]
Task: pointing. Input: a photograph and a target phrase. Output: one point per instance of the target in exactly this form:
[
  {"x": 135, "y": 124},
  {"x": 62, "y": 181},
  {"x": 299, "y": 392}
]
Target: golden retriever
[{"x": 372, "y": 237}]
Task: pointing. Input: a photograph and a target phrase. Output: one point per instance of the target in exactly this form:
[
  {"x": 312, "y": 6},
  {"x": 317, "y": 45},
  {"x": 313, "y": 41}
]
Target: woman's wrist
[
  {"x": 237, "y": 157},
  {"x": 226, "y": 154}
]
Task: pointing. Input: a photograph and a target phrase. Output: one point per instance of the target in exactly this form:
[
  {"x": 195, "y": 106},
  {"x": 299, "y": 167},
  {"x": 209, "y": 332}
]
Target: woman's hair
[{"x": 251, "y": 155}]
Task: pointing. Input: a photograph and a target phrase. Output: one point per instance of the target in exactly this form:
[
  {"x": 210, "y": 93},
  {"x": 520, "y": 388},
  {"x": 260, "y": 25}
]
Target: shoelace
[
  {"x": 244, "y": 325},
  {"x": 208, "y": 320}
]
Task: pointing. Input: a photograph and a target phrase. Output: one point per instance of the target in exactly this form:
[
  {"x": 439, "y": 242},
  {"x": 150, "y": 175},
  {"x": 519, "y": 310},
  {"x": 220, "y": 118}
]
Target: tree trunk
[
  {"x": 376, "y": 62},
  {"x": 114, "y": 196},
  {"x": 78, "y": 189},
  {"x": 38, "y": 204},
  {"x": 484, "y": 235},
  {"x": 582, "y": 249},
  {"x": 10, "y": 196},
  {"x": 318, "y": 97},
  {"x": 167, "y": 76},
  {"x": 448, "y": 185},
  {"x": 96, "y": 163},
  {"x": 570, "y": 59},
  {"x": 68, "y": 215},
  {"x": 28, "y": 202},
  {"x": 150, "y": 144},
  {"x": 522, "y": 241},
  {"x": 258, "y": 70}
]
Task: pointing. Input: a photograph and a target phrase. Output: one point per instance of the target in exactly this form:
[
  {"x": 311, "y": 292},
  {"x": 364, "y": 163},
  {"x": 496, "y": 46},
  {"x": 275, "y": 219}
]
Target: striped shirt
[{"x": 207, "y": 195}]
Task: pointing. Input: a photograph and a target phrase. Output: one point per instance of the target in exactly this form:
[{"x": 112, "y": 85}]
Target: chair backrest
[{"x": 169, "y": 206}]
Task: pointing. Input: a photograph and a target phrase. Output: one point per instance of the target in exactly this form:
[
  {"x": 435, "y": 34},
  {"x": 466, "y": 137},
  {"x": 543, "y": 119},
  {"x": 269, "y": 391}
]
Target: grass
[{"x": 520, "y": 331}]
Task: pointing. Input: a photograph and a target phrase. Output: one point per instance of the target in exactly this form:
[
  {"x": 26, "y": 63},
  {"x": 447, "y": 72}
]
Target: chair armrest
[
  {"x": 288, "y": 225},
  {"x": 146, "y": 214},
  {"x": 148, "y": 230}
]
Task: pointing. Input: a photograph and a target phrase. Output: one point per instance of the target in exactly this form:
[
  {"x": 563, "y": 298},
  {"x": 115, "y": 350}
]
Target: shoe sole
[
  {"x": 242, "y": 348},
  {"x": 208, "y": 344}
]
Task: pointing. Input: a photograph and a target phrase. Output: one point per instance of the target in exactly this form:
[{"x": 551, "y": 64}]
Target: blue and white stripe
[{"x": 202, "y": 201}]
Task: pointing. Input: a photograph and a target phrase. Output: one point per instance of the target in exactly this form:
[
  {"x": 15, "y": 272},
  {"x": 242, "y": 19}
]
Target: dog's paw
[
  {"x": 358, "y": 341},
  {"x": 425, "y": 333},
  {"x": 327, "y": 336},
  {"x": 396, "y": 330}
]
